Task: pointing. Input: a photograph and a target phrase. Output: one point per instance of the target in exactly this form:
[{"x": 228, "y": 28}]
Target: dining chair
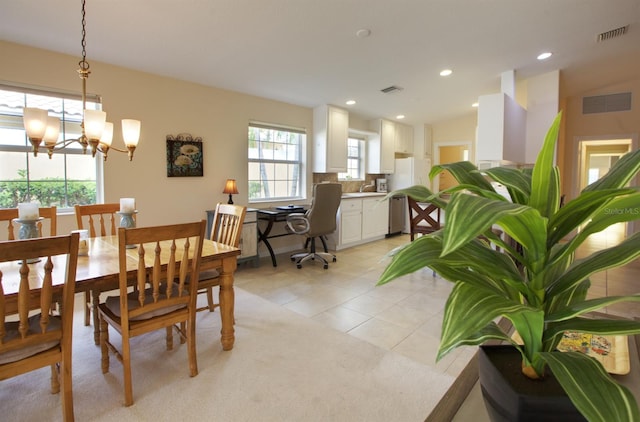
[
  {"x": 31, "y": 335},
  {"x": 424, "y": 217},
  {"x": 317, "y": 222},
  {"x": 226, "y": 229},
  {"x": 168, "y": 255},
  {"x": 100, "y": 221},
  {"x": 48, "y": 213}
]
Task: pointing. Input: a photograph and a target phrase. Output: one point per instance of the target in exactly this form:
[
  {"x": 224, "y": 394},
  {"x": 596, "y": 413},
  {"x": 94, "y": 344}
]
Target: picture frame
[{"x": 184, "y": 156}]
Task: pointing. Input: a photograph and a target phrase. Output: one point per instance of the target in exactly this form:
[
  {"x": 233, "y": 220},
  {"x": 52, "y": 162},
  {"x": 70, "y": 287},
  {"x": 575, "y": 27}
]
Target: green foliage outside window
[{"x": 48, "y": 192}]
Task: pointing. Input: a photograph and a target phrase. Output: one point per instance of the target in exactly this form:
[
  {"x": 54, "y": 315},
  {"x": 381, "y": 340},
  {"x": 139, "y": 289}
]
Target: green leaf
[
  {"x": 490, "y": 332},
  {"x": 605, "y": 327},
  {"x": 585, "y": 306},
  {"x": 542, "y": 171},
  {"x": 594, "y": 393},
  {"x": 464, "y": 172},
  {"x": 515, "y": 180},
  {"x": 615, "y": 256},
  {"x": 469, "y": 309}
]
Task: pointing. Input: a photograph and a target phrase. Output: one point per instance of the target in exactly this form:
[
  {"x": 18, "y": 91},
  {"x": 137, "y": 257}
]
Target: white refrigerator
[{"x": 408, "y": 172}]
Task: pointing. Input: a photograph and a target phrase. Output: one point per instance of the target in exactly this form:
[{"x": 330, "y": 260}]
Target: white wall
[{"x": 165, "y": 106}]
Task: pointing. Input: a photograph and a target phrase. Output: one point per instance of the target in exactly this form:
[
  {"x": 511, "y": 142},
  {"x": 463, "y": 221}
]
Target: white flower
[
  {"x": 189, "y": 149},
  {"x": 183, "y": 160}
]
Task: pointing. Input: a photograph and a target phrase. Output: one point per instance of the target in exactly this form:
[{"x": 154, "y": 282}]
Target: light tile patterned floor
[{"x": 405, "y": 315}]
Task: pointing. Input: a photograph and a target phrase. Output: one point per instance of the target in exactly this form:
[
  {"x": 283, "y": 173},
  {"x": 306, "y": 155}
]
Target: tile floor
[{"x": 404, "y": 315}]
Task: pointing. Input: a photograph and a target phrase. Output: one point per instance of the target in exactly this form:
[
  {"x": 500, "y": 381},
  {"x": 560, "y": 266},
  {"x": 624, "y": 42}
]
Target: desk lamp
[{"x": 230, "y": 188}]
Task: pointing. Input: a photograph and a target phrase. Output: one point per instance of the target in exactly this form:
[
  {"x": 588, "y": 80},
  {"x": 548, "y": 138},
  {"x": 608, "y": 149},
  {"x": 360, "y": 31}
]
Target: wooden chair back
[
  {"x": 30, "y": 336},
  {"x": 100, "y": 218},
  {"x": 49, "y": 213},
  {"x": 227, "y": 224},
  {"x": 166, "y": 256},
  {"x": 424, "y": 217}
]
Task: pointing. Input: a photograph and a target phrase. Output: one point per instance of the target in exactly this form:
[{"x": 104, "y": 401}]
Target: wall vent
[
  {"x": 618, "y": 32},
  {"x": 606, "y": 103},
  {"x": 390, "y": 89}
]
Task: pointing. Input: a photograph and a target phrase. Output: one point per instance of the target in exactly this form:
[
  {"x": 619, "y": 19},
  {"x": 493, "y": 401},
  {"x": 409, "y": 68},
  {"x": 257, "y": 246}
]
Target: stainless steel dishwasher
[{"x": 396, "y": 214}]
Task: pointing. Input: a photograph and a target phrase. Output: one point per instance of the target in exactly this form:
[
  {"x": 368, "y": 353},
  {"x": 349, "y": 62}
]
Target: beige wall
[{"x": 165, "y": 106}]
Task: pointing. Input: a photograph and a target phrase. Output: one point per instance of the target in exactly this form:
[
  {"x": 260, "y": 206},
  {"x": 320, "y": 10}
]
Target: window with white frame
[
  {"x": 355, "y": 160},
  {"x": 275, "y": 162},
  {"x": 69, "y": 177}
]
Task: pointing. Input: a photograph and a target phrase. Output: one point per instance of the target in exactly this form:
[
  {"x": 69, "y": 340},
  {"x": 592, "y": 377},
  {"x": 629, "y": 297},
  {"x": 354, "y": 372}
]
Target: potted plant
[{"x": 534, "y": 282}]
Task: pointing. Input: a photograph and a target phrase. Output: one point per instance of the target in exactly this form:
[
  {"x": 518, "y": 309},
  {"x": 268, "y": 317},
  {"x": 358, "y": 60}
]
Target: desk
[
  {"x": 99, "y": 272},
  {"x": 272, "y": 215}
]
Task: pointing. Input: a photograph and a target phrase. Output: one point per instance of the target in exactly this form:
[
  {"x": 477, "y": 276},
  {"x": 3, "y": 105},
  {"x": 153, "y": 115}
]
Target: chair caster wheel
[
  {"x": 334, "y": 259},
  {"x": 292, "y": 259},
  {"x": 326, "y": 266},
  {"x": 299, "y": 266}
]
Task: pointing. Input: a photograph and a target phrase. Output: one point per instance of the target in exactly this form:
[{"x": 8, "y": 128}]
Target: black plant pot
[{"x": 509, "y": 396}]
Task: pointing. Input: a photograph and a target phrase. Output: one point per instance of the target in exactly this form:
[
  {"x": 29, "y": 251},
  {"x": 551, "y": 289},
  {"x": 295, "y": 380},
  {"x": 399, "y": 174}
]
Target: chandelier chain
[{"x": 84, "y": 65}]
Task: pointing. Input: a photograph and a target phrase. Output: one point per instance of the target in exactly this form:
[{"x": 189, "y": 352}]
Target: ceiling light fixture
[
  {"x": 446, "y": 72},
  {"x": 97, "y": 133},
  {"x": 350, "y": 102},
  {"x": 544, "y": 56},
  {"x": 475, "y": 105},
  {"x": 400, "y": 116}
]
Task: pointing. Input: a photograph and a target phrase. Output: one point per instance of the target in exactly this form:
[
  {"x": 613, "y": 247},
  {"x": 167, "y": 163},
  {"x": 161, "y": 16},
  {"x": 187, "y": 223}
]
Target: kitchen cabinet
[
  {"x": 381, "y": 146},
  {"x": 404, "y": 139},
  {"x": 362, "y": 220},
  {"x": 330, "y": 134},
  {"x": 375, "y": 218},
  {"x": 350, "y": 221}
]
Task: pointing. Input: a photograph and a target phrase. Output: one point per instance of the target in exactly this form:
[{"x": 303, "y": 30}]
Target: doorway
[
  {"x": 449, "y": 153},
  {"x": 596, "y": 157}
]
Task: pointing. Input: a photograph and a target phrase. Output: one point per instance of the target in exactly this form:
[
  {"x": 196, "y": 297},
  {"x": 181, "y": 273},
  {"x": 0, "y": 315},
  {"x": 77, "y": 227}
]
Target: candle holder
[
  {"x": 29, "y": 230},
  {"x": 127, "y": 221}
]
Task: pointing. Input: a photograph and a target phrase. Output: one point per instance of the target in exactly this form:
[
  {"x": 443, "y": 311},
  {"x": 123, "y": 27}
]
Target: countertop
[{"x": 350, "y": 195}]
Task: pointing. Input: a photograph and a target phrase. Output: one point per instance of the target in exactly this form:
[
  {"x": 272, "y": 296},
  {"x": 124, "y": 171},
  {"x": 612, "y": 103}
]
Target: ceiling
[{"x": 306, "y": 52}]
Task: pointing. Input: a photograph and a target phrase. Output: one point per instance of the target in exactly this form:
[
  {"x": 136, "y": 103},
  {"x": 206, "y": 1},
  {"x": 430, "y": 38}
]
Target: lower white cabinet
[{"x": 361, "y": 220}]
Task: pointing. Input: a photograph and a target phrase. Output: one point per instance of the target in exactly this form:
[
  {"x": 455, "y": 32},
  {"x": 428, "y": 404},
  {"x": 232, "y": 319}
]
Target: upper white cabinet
[
  {"x": 380, "y": 147},
  {"x": 330, "y": 134},
  {"x": 404, "y": 138}
]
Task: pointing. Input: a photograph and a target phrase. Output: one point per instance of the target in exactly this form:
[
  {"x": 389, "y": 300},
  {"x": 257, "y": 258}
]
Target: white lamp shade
[
  {"x": 130, "y": 132},
  {"x": 52, "y": 132},
  {"x": 107, "y": 134},
  {"x": 94, "y": 121},
  {"x": 35, "y": 122}
]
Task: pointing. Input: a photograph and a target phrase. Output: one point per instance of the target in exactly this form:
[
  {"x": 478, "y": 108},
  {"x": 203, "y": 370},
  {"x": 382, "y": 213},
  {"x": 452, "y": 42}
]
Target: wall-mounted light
[{"x": 231, "y": 188}]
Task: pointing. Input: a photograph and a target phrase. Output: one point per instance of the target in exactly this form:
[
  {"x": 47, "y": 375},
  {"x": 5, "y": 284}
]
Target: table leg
[
  {"x": 227, "y": 302},
  {"x": 263, "y": 237}
]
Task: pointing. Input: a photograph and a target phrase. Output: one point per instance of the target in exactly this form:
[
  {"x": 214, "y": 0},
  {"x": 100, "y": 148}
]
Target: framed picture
[{"x": 184, "y": 156}]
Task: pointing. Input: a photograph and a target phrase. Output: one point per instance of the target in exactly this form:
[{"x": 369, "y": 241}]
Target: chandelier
[{"x": 97, "y": 133}]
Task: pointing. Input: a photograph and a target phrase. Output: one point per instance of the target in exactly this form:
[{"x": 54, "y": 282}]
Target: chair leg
[
  {"x": 191, "y": 347},
  {"x": 87, "y": 308},
  {"x": 67, "y": 391},
  {"x": 210, "y": 302},
  {"x": 104, "y": 339},
  {"x": 55, "y": 381},
  {"x": 169, "y": 331},
  {"x": 126, "y": 365}
]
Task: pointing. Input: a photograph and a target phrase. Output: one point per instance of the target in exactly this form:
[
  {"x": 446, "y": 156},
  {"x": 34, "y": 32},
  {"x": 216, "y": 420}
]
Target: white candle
[
  {"x": 28, "y": 211},
  {"x": 127, "y": 204}
]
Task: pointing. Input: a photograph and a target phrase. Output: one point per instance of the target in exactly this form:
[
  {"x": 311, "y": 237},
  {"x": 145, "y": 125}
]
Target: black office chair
[{"x": 317, "y": 222}]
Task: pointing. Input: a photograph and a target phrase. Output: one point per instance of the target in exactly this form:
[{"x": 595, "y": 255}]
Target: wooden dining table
[{"x": 99, "y": 272}]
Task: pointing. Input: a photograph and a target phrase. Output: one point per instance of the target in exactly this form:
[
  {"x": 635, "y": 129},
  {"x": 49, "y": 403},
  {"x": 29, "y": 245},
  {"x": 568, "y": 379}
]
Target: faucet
[{"x": 362, "y": 187}]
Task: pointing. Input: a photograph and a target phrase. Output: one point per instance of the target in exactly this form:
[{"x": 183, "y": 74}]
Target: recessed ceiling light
[
  {"x": 363, "y": 33},
  {"x": 446, "y": 72},
  {"x": 350, "y": 102},
  {"x": 400, "y": 116},
  {"x": 544, "y": 56},
  {"x": 475, "y": 105}
]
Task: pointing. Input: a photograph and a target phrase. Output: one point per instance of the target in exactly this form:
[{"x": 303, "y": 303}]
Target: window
[
  {"x": 69, "y": 177},
  {"x": 275, "y": 162},
  {"x": 355, "y": 160}
]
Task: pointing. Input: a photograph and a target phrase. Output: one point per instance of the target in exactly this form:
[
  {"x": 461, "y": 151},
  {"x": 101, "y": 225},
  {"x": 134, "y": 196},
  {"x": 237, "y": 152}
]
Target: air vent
[
  {"x": 391, "y": 89},
  {"x": 606, "y": 103},
  {"x": 618, "y": 32}
]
